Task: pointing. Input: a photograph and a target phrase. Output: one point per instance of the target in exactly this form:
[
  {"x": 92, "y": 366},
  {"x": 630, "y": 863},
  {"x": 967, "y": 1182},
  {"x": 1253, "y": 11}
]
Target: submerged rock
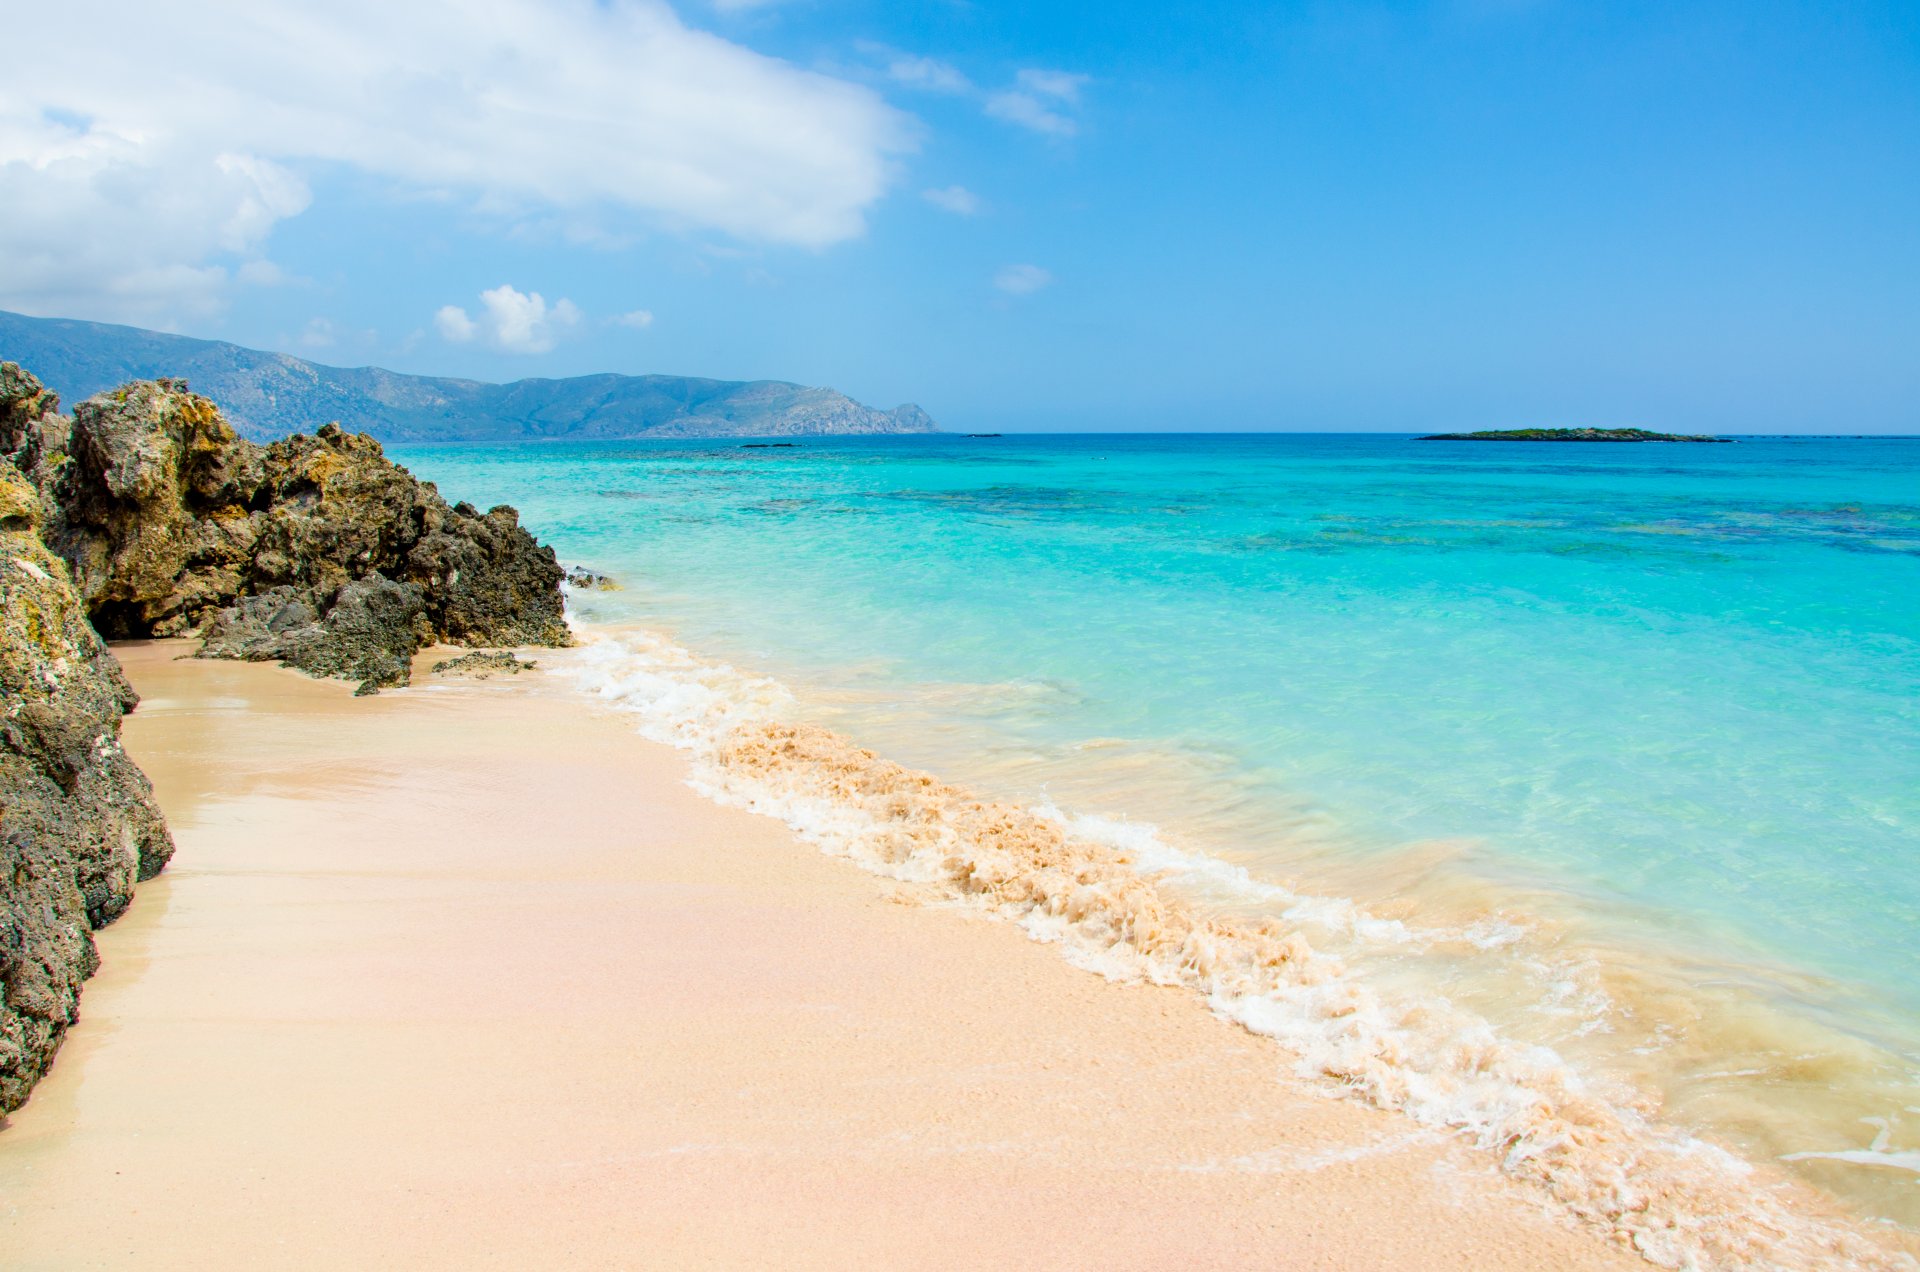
[
  {"x": 579, "y": 576},
  {"x": 78, "y": 823},
  {"x": 317, "y": 551}
]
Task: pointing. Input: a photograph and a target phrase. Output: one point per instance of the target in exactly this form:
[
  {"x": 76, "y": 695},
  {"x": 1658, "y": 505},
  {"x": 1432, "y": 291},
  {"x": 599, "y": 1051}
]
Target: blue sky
[{"x": 1036, "y": 216}]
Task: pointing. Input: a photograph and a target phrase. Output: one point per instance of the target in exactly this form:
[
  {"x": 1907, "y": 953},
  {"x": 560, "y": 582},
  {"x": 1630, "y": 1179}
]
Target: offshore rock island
[
  {"x": 268, "y": 395},
  {"x": 1570, "y": 435}
]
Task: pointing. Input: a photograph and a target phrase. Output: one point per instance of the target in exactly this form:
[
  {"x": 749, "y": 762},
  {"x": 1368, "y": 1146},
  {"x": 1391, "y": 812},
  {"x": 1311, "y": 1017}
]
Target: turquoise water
[{"x": 1663, "y": 699}]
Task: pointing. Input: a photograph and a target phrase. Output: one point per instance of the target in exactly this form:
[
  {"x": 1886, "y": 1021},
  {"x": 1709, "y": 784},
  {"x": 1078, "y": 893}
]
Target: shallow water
[{"x": 1613, "y": 746}]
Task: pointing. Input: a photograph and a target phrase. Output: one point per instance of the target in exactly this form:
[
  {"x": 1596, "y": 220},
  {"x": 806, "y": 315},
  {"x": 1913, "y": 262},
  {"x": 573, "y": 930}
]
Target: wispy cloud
[
  {"x": 926, "y": 73},
  {"x": 1062, "y": 86},
  {"x": 1040, "y": 100},
  {"x": 510, "y": 320},
  {"x": 639, "y": 319},
  {"x": 955, "y": 199},
  {"x": 1022, "y": 280}
]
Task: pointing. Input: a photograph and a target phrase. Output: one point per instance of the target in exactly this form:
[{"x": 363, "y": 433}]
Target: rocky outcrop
[
  {"x": 145, "y": 515},
  {"x": 78, "y": 825},
  {"x": 316, "y": 551}
]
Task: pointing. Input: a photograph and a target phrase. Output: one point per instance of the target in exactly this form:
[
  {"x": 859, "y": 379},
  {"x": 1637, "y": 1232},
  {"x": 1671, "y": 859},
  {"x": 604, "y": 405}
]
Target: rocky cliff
[
  {"x": 144, "y": 514},
  {"x": 78, "y": 825}
]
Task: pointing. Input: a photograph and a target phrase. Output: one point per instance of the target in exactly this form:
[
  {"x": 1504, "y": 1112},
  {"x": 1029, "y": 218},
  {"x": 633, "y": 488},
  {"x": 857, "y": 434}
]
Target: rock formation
[
  {"x": 78, "y": 825},
  {"x": 145, "y": 515},
  {"x": 317, "y": 551}
]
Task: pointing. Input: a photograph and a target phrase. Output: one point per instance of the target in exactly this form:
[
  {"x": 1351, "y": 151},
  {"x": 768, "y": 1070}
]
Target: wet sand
[{"x": 465, "y": 976}]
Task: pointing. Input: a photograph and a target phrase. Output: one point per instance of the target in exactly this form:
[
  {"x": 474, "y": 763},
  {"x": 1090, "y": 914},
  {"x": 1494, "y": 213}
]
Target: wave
[{"x": 1097, "y": 889}]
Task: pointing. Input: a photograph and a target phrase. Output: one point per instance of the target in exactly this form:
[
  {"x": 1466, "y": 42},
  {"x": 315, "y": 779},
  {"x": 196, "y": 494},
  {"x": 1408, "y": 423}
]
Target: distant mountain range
[{"x": 268, "y": 395}]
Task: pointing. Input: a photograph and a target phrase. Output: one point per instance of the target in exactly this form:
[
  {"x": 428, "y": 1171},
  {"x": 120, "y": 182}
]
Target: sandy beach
[{"x": 466, "y": 976}]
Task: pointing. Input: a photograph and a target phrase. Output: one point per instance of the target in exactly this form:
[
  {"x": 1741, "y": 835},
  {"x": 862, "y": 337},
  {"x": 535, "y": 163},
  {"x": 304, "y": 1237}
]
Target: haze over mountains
[{"x": 267, "y": 395}]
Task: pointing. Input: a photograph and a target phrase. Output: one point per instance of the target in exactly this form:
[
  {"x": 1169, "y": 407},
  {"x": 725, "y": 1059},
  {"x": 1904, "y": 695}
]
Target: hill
[{"x": 268, "y": 395}]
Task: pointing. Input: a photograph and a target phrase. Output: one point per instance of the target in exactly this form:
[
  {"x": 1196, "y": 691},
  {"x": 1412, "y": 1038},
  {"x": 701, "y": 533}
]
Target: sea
[{"x": 1589, "y": 773}]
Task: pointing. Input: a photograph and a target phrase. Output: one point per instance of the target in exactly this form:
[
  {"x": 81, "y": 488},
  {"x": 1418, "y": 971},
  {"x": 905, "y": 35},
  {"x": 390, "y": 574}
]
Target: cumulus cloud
[
  {"x": 318, "y": 334},
  {"x": 639, "y": 319},
  {"x": 147, "y": 151},
  {"x": 509, "y": 320},
  {"x": 1022, "y": 280},
  {"x": 955, "y": 199},
  {"x": 1040, "y": 100}
]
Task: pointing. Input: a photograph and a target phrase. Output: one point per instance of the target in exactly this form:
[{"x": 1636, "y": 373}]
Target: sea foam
[{"x": 1094, "y": 887}]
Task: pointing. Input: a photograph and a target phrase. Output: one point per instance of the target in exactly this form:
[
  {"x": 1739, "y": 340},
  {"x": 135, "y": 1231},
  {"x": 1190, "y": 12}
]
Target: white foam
[
  {"x": 1875, "y": 1154},
  {"x": 1084, "y": 885}
]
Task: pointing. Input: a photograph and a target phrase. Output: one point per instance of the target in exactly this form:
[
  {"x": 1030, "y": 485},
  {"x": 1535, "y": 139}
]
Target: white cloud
[
  {"x": 91, "y": 221},
  {"x": 134, "y": 181},
  {"x": 453, "y": 324},
  {"x": 510, "y": 320},
  {"x": 1022, "y": 280},
  {"x": 955, "y": 199},
  {"x": 1039, "y": 100},
  {"x": 318, "y": 334},
  {"x": 640, "y": 319}
]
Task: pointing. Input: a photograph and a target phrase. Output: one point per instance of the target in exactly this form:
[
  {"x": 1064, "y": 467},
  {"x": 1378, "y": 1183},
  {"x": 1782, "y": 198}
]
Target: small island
[{"x": 1571, "y": 435}]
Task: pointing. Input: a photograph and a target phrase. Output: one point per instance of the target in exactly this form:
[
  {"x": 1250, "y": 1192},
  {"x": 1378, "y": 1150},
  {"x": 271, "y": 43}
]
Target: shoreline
[
  {"x": 467, "y": 975},
  {"x": 1676, "y": 1193}
]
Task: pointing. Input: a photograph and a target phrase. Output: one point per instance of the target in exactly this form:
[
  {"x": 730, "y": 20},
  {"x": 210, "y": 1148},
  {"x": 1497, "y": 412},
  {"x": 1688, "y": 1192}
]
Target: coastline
[{"x": 465, "y": 975}]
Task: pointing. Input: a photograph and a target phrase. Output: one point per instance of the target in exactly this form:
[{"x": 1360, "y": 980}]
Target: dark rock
[
  {"x": 481, "y": 664},
  {"x": 172, "y": 524},
  {"x": 78, "y": 824},
  {"x": 366, "y": 630}
]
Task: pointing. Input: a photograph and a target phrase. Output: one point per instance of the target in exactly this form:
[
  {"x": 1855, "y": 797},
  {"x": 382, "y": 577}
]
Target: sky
[{"x": 1034, "y": 216}]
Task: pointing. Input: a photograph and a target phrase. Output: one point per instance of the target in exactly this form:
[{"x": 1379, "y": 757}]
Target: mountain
[{"x": 267, "y": 395}]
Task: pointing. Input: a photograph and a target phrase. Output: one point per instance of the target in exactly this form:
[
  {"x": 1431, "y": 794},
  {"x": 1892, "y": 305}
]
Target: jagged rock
[
  {"x": 482, "y": 663},
  {"x": 78, "y": 824},
  {"x": 173, "y": 524}
]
